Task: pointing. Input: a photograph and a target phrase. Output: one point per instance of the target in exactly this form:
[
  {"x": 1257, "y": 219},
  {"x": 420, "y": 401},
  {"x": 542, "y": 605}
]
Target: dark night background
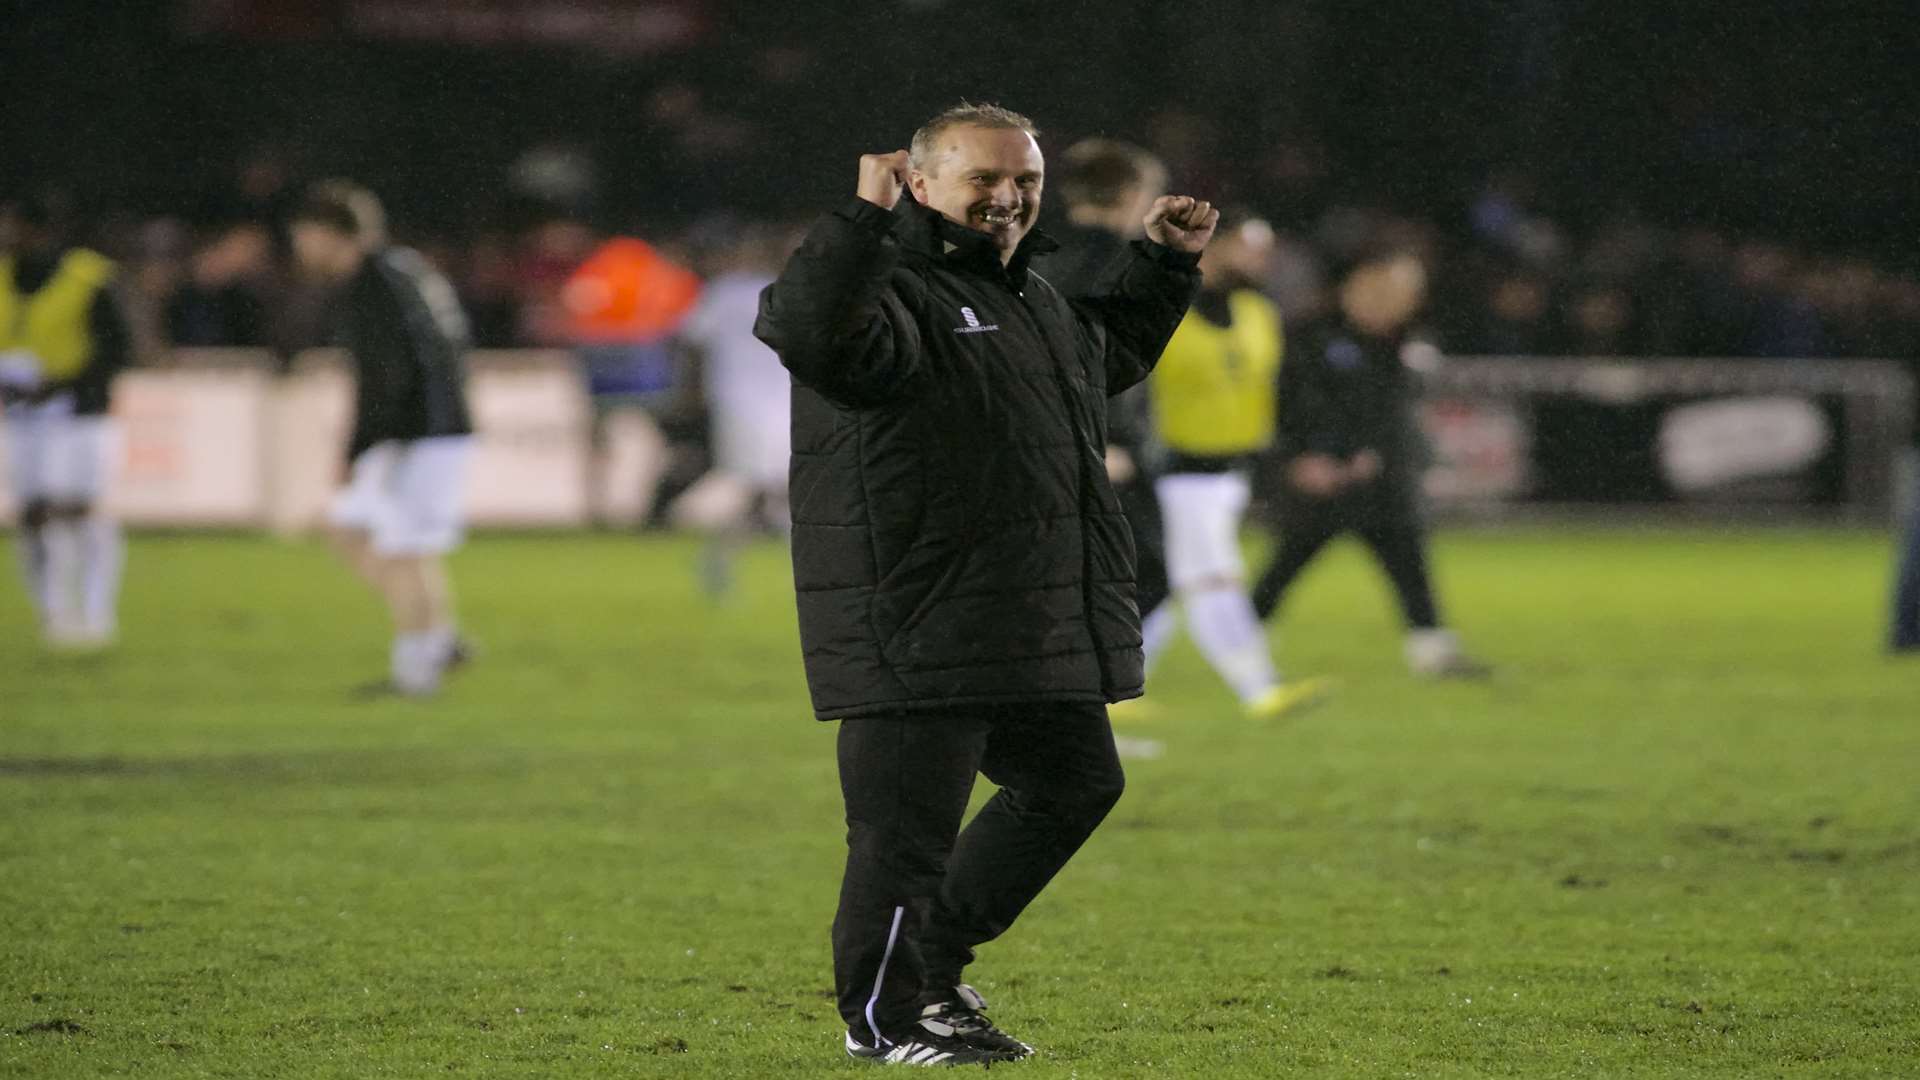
[
  {"x": 1793, "y": 118},
  {"x": 1700, "y": 178}
]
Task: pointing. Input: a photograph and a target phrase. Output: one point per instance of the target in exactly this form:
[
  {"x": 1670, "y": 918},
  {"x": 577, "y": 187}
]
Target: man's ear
[{"x": 917, "y": 184}]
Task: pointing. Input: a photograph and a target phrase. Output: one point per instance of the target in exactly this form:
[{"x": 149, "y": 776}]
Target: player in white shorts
[
  {"x": 748, "y": 397},
  {"x": 63, "y": 338},
  {"x": 400, "y": 513},
  {"x": 1213, "y": 406}
]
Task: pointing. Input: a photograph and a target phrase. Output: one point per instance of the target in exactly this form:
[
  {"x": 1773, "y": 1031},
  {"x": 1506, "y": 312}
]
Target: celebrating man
[{"x": 964, "y": 572}]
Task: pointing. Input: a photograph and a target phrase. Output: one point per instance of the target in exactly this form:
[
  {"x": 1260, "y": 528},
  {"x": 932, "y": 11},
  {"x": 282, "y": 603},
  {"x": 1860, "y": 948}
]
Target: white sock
[
  {"x": 1429, "y": 649},
  {"x": 440, "y": 643},
  {"x": 416, "y": 663},
  {"x": 65, "y": 555},
  {"x": 104, "y": 557},
  {"x": 1157, "y": 630},
  {"x": 1229, "y": 635},
  {"x": 30, "y": 543}
]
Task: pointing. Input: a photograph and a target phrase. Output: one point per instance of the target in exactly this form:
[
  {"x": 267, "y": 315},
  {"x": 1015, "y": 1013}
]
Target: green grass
[{"x": 1675, "y": 837}]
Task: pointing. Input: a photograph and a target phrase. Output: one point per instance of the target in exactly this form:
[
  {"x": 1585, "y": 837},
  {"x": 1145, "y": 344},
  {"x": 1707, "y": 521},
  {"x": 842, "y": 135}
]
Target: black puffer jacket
[{"x": 955, "y": 539}]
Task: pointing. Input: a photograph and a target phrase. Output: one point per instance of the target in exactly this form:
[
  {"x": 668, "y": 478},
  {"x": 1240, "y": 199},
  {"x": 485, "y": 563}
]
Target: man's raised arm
[
  {"x": 829, "y": 315},
  {"x": 1146, "y": 301}
]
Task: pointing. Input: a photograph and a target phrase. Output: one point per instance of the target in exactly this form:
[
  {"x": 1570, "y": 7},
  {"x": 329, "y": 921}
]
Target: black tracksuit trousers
[
  {"x": 1399, "y": 544},
  {"x": 920, "y": 893}
]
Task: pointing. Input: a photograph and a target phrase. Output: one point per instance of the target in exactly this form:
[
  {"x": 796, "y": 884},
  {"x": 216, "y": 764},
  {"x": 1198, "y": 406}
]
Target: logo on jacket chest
[{"x": 973, "y": 323}]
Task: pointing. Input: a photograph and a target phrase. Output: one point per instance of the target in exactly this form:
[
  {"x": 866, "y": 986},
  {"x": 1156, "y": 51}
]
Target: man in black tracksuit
[
  {"x": 963, "y": 572},
  {"x": 1352, "y": 454}
]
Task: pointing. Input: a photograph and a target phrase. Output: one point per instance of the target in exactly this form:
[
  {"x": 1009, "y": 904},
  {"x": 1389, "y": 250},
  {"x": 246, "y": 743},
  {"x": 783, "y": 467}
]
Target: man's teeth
[{"x": 998, "y": 217}]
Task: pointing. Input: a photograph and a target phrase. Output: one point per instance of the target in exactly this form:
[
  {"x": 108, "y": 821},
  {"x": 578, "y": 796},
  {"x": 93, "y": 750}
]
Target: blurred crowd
[{"x": 1509, "y": 279}]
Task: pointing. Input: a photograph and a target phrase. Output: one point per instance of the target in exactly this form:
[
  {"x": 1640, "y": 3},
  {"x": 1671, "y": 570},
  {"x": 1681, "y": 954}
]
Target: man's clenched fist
[
  {"x": 881, "y": 178},
  {"x": 1182, "y": 222}
]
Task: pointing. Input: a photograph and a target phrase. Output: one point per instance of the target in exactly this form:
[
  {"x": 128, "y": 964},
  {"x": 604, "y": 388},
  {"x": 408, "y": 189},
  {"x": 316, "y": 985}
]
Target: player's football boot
[
  {"x": 964, "y": 1010},
  {"x": 1291, "y": 698},
  {"x": 929, "y": 1042},
  {"x": 377, "y": 690},
  {"x": 1436, "y": 654},
  {"x": 1458, "y": 666},
  {"x": 460, "y": 654}
]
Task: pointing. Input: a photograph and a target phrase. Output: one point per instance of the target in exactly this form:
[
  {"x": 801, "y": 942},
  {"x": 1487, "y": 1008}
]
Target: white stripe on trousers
[{"x": 893, "y": 936}]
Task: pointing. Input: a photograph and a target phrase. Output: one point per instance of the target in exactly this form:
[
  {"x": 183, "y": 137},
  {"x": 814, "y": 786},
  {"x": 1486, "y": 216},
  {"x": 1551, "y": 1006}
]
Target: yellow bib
[
  {"x": 52, "y": 323},
  {"x": 1213, "y": 390}
]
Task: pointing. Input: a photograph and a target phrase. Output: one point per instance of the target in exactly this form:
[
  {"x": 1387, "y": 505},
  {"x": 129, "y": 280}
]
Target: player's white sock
[
  {"x": 440, "y": 640},
  {"x": 104, "y": 557},
  {"x": 65, "y": 555},
  {"x": 416, "y": 665},
  {"x": 1229, "y": 635},
  {"x": 30, "y": 543},
  {"x": 1431, "y": 649},
  {"x": 1157, "y": 630}
]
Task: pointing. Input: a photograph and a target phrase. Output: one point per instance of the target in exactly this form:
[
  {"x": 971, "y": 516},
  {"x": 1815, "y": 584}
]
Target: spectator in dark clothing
[
  {"x": 223, "y": 300},
  {"x": 1517, "y": 316},
  {"x": 1777, "y": 321},
  {"x": 964, "y": 574},
  {"x": 1352, "y": 454},
  {"x": 1694, "y": 308},
  {"x": 1598, "y": 321}
]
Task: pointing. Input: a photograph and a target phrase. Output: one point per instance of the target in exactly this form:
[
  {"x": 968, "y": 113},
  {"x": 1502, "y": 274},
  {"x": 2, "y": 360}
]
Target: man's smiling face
[{"x": 988, "y": 179}]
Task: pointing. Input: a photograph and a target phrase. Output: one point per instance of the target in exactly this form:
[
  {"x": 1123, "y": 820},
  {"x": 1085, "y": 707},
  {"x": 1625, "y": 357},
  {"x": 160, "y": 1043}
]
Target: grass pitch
[{"x": 1676, "y": 836}]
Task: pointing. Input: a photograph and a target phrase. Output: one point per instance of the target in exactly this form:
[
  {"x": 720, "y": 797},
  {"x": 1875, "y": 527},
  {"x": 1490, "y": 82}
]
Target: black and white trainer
[
  {"x": 929, "y": 1042},
  {"x": 965, "y": 1011}
]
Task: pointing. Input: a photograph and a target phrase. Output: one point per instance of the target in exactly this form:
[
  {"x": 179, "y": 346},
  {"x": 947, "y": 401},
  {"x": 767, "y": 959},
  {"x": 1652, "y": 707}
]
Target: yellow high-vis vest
[
  {"x": 53, "y": 323},
  {"x": 1213, "y": 390}
]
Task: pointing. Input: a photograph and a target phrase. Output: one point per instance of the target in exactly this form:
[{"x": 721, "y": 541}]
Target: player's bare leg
[
  {"x": 355, "y": 548},
  {"x": 419, "y": 601},
  {"x": 30, "y": 542},
  {"x": 420, "y": 597},
  {"x": 103, "y": 555},
  {"x": 719, "y": 506},
  {"x": 65, "y": 538}
]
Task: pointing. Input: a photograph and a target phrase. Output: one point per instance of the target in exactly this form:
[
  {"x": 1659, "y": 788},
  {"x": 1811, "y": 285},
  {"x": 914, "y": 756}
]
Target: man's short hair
[
  {"x": 1100, "y": 172},
  {"x": 924, "y": 150},
  {"x": 346, "y": 207},
  {"x": 1376, "y": 252}
]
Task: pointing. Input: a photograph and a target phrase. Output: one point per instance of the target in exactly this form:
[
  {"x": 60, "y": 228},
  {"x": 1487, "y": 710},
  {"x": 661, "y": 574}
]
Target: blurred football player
[
  {"x": 1108, "y": 186},
  {"x": 1213, "y": 406},
  {"x": 401, "y": 512},
  {"x": 1352, "y": 452},
  {"x": 63, "y": 336},
  {"x": 748, "y": 397}
]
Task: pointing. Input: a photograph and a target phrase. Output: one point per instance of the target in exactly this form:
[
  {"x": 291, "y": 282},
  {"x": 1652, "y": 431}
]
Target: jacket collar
[{"x": 927, "y": 231}]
